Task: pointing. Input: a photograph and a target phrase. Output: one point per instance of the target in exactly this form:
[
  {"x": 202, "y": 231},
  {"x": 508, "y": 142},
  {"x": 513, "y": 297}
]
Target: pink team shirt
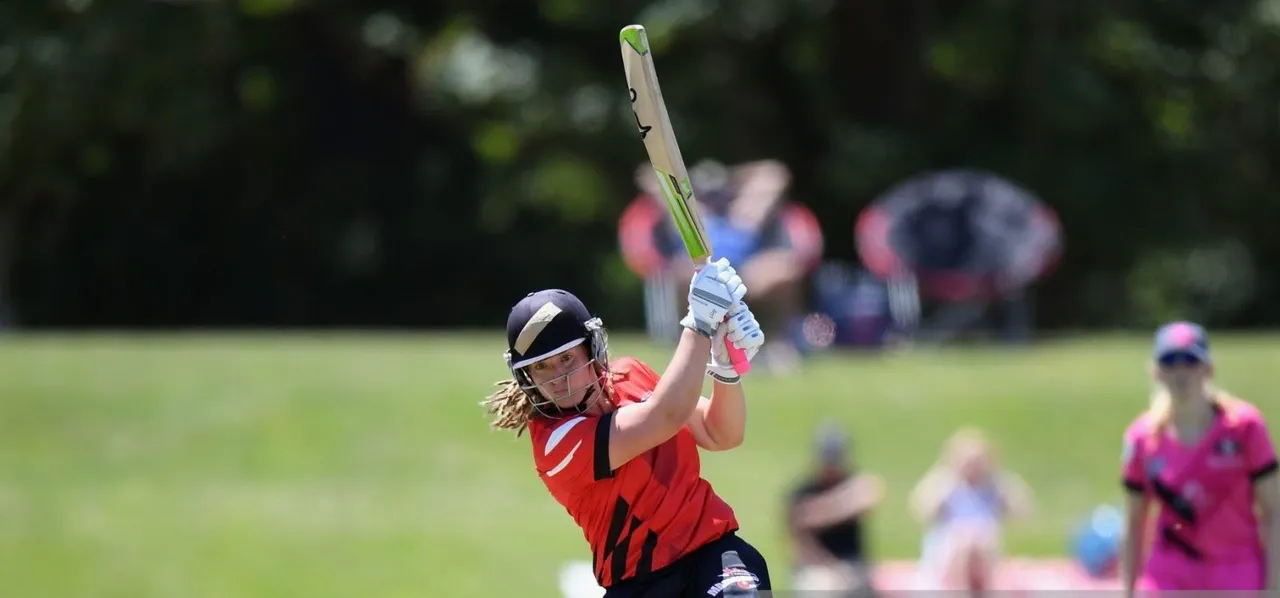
[{"x": 1205, "y": 494}]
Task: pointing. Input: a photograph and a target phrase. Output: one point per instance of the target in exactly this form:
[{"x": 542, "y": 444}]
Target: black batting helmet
[{"x": 547, "y": 323}]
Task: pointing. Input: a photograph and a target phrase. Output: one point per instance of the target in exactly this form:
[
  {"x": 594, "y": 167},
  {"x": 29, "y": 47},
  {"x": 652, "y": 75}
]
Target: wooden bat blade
[{"x": 654, "y": 126}]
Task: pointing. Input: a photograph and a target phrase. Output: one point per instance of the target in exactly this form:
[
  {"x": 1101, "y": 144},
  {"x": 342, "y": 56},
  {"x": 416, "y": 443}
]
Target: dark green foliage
[{"x": 274, "y": 162}]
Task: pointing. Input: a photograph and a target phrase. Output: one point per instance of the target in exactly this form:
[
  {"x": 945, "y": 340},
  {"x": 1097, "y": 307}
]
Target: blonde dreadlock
[{"x": 509, "y": 406}]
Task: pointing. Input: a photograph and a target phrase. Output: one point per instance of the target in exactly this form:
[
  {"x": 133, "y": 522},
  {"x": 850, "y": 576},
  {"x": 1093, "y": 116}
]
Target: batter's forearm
[
  {"x": 680, "y": 387},
  {"x": 726, "y": 416}
]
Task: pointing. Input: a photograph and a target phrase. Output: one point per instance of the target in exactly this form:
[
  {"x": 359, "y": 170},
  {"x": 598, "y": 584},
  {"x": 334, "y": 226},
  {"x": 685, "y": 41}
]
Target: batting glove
[
  {"x": 714, "y": 289},
  {"x": 744, "y": 332}
]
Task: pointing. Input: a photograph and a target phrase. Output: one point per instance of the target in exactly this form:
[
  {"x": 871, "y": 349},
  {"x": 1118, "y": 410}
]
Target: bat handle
[{"x": 738, "y": 356}]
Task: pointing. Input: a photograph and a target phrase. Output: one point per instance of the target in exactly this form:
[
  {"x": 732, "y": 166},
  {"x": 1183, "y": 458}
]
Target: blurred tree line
[{"x": 294, "y": 162}]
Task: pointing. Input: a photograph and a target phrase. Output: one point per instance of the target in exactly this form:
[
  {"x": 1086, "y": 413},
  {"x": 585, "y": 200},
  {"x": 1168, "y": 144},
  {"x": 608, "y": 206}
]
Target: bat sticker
[{"x": 644, "y": 131}]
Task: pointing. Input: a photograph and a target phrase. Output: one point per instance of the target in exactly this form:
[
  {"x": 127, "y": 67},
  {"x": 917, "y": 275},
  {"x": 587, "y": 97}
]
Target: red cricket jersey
[{"x": 646, "y": 514}]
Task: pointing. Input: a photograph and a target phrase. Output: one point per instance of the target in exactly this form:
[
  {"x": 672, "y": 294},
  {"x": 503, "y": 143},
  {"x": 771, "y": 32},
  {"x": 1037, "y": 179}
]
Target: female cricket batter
[
  {"x": 1206, "y": 458},
  {"x": 617, "y": 445}
]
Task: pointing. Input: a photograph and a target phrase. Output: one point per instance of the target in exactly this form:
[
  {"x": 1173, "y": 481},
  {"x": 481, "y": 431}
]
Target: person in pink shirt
[{"x": 1205, "y": 461}]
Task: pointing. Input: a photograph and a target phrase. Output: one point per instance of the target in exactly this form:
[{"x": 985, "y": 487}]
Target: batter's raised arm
[
  {"x": 720, "y": 423},
  {"x": 713, "y": 291}
]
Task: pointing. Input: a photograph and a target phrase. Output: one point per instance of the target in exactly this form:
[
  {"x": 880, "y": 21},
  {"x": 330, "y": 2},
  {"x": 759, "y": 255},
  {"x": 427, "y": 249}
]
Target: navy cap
[
  {"x": 1182, "y": 338},
  {"x": 543, "y": 324}
]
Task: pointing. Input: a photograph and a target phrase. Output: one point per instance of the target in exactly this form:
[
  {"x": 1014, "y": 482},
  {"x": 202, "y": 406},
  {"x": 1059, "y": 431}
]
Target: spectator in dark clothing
[{"x": 826, "y": 519}]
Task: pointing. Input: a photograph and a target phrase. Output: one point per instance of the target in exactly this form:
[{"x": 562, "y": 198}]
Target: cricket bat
[{"x": 664, "y": 154}]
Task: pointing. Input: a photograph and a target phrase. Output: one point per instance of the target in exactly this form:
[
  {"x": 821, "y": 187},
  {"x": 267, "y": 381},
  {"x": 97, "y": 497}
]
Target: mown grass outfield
[{"x": 339, "y": 466}]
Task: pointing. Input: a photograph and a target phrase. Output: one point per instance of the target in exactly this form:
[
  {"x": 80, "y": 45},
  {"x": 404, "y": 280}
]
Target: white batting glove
[
  {"x": 712, "y": 292},
  {"x": 744, "y": 332}
]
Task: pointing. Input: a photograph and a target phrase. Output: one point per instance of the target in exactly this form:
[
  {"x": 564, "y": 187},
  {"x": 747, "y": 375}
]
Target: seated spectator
[
  {"x": 773, "y": 243},
  {"x": 825, "y": 519},
  {"x": 964, "y": 501}
]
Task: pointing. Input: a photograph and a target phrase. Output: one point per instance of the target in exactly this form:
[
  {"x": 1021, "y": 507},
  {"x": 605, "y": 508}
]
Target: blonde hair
[
  {"x": 965, "y": 437},
  {"x": 1160, "y": 412},
  {"x": 510, "y": 407}
]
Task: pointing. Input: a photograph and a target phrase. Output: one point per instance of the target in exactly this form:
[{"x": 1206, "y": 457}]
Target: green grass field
[{"x": 317, "y": 466}]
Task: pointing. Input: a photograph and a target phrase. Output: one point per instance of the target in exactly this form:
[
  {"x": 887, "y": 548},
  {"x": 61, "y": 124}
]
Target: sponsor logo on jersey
[
  {"x": 1226, "y": 455},
  {"x": 734, "y": 576}
]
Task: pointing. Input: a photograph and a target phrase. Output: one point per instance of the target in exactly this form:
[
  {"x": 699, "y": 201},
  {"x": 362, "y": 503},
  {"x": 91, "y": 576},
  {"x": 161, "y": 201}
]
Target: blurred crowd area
[
  {"x": 942, "y": 255},
  {"x": 884, "y": 171}
]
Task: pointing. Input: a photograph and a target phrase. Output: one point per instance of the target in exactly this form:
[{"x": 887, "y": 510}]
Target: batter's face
[{"x": 565, "y": 378}]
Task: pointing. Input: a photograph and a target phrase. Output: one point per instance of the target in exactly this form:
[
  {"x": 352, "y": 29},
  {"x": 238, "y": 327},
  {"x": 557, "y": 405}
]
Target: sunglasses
[{"x": 1169, "y": 360}]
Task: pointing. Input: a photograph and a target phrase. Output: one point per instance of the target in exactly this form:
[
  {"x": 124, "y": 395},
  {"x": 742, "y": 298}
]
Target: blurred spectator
[
  {"x": 772, "y": 242},
  {"x": 964, "y": 500},
  {"x": 825, "y": 518}
]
